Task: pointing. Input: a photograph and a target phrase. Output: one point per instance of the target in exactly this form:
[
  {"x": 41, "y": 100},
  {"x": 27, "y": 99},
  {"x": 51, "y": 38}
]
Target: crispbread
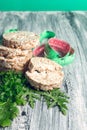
[
  {"x": 21, "y": 39},
  {"x": 42, "y": 64},
  {"x": 44, "y": 74},
  {"x": 11, "y": 53},
  {"x": 16, "y": 63}
]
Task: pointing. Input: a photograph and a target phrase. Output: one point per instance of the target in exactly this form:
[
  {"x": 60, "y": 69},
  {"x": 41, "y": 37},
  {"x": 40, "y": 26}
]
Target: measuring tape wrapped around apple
[{"x": 57, "y": 50}]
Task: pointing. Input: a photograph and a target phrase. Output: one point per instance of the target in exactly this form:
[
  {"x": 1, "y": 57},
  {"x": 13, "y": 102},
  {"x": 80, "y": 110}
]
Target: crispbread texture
[
  {"x": 44, "y": 74},
  {"x": 21, "y": 40},
  {"x": 16, "y": 63},
  {"x": 43, "y": 64},
  {"x": 11, "y": 53}
]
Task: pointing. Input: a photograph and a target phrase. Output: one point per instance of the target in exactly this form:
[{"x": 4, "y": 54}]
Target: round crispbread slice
[
  {"x": 11, "y": 53},
  {"x": 18, "y": 63},
  {"x": 21, "y": 39},
  {"x": 43, "y": 64},
  {"x": 44, "y": 74}
]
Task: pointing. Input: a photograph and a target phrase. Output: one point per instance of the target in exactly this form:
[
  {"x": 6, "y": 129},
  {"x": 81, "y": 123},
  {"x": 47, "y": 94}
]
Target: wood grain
[{"x": 69, "y": 26}]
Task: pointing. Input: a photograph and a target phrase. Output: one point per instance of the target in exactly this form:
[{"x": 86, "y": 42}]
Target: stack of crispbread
[
  {"x": 16, "y": 50},
  {"x": 21, "y": 39},
  {"x": 44, "y": 74},
  {"x": 16, "y": 54}
]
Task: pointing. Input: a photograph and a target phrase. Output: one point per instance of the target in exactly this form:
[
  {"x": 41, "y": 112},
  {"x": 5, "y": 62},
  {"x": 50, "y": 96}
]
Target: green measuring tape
[
  {"x": 51, "y": 53},
  {"x": 46, "y": 35},
  {"x": 67, "y": 59}
]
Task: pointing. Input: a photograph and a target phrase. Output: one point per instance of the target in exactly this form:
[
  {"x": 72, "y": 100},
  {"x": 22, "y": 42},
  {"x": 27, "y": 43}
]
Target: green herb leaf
[
  {"x": 15, "y": 90},
  {"x": 8, "y": 111}
]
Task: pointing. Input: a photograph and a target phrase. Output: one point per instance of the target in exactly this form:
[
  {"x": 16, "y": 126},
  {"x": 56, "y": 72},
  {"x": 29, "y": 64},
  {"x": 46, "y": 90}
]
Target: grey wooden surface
[{"x": 71, "y": 27}]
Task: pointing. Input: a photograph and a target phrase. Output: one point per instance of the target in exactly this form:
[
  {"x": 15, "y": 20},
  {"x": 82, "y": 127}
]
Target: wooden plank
[{"x": 72, "y": 27}]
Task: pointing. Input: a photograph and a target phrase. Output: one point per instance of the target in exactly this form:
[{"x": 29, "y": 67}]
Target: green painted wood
[{"x": 45, "y": 5}]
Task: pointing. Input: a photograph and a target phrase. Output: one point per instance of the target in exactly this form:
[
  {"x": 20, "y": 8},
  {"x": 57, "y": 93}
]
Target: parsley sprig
[{"x": 15, "y": 90}]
